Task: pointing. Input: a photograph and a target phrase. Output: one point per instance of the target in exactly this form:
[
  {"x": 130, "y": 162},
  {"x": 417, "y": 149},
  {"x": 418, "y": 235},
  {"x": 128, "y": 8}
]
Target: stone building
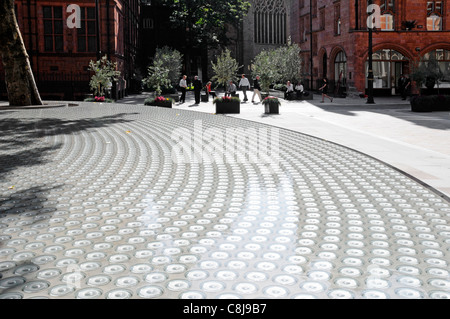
[
  {"x": 60, "y": 55},
  {"x": 339, "y": 36}
]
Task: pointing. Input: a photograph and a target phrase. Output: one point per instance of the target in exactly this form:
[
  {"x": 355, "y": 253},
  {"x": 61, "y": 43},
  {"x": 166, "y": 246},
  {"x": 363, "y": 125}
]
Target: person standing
[
  {"x": 197, "y": 89},
  {"x": 401, "y": 84},
  {"x": 406, "y": 87},
  {"x": 244, "y": 84},
  {"x": 256, "y": 89},
  {"x": 183, "y": 87},
  {"x": 324, "y": 90}
]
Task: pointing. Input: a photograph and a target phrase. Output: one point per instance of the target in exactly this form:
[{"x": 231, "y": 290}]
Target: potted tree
[
  {"x": 225, "y": 69},
  {"x": 271, "y": 105},
  {"x": 158, "y": 77},
  {"x": 105, "y": 72}
]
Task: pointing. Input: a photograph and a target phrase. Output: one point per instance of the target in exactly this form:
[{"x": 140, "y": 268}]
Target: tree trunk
[{"x": 19, "y": 77}]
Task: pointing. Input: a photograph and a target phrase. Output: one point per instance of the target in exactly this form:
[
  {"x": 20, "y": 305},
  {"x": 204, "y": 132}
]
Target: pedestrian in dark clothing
[
  {"x": 406, "y": 87},
  {"x": 401, "y": 84},
  {"x": 197, "y": 88},
  {"x": 324, "y": 90},
  {"x": 256, "y": 89}
]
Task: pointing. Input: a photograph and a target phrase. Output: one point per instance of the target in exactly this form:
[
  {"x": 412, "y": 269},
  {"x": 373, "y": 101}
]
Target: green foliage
[
  {"x": 226, "y": 99},
  {"x": 158, "y": 77},
  {"x": 172, "y": 60},
  {"x": 205, "y": 21},
  {"x": 427, "y": 72},
  {"x": 278, "y": 65},
  {"x": 225, "y": 69},
  {"x": 105, "y": 72},
  {"x": 271, "y": 100}
]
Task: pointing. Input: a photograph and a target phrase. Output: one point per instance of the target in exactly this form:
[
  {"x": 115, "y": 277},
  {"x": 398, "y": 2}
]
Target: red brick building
[
  {"x": 60, "y": 55},
  {"x": 339, "y": 44}
]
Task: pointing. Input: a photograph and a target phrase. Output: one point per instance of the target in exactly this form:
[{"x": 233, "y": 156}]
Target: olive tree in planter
[
  {"x": 225, "y": 69},
  {"x": 105, "y": 72},
  {"x": 158, "y": 77},
  {"x": 264, "y": 67}
]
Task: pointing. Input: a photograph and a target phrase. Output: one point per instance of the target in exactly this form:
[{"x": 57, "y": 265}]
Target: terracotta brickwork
[
  {"x": 340, "y": 26},
  {"x": 59, "y": 54}
]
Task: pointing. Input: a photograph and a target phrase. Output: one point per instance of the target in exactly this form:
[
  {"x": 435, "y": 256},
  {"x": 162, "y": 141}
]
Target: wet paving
[{"x": 125, "y": 201}]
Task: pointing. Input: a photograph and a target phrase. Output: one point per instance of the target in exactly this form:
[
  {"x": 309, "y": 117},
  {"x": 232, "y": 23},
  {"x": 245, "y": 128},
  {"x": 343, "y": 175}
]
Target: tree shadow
[{"x": 21, "y": 143}]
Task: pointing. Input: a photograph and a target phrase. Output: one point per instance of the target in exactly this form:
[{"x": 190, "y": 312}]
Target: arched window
[
  {"x": 387, "y": 66},
  {"x": 340, "y": 68},
  {"x": 443, "y": 59},
  {"x": 269, "y": 21}
]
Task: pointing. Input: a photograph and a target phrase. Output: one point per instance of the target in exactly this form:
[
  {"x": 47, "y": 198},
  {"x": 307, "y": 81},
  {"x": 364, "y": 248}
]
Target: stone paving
[{"x": 129, "y": 201}]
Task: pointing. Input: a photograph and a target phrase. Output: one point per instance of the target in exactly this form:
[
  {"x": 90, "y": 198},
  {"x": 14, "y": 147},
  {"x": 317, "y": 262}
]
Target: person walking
[
  {"x": 197, "y": 88},
  {"x": 244, "y": 84},
  {"x": 256, "y": 89},
  {"x": 324, "y": 90},
  {"x": 183, "y": 87}
]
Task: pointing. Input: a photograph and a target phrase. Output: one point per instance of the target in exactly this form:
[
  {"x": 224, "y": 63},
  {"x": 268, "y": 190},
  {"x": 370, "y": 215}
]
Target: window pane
[
  {"x": 438, "y": 7},
  {"x": 91, "y": 13},
  {"x": 430, "y": 7},
  {"x": 59, "y": 44},
  {"x": 57, "y": 12},
  {"x": 48, "y": 12},
  {"x": 91, "y": 27},
  {"x": 48, "y": 27},
  {"x": 92, "y": 45},
  {"x": 58, "y": 27},
  {"x": 48, "y": 43},
  {"x": 81, "y": 44}
]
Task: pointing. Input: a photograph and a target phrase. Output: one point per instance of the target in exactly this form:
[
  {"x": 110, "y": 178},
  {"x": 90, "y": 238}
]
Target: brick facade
[
  {"x": 340, "y": 26},
  {"x": 60, "y": 55}
]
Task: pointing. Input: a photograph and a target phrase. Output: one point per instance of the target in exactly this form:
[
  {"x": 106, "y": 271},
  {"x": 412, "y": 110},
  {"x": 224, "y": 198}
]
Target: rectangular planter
[
  {"x": 228, "y": 107},
  {"x": 271, "y": 108},
  {"x": 166, "y": 105}
]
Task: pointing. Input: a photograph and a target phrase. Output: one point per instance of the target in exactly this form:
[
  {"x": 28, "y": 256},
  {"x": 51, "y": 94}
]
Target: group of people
[
  {"x": 298, "y": 90},
  {"x": 231, "y": 89},
  {"x": 244, "y": 85}
]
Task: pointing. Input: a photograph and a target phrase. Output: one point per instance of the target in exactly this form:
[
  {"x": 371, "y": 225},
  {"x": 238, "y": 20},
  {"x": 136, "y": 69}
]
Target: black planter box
[
  {"x": 166, "y": 105},
  {"x": 204, "y": 97},
  {"x": 228, "y": 107},
  {"x": 272, "y": 108}
]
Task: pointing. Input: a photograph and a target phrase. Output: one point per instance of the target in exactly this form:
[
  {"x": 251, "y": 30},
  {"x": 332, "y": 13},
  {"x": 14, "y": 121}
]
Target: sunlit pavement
[{"x": 106, "y": 201}]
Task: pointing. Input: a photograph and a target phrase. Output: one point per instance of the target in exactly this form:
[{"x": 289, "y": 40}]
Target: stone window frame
[{"x": 270, "y": 22}]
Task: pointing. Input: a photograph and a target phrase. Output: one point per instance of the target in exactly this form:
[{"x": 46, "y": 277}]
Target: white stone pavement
[{"x": 416, "y": 143}]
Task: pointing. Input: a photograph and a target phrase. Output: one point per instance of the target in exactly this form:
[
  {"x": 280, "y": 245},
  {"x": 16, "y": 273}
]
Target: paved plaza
[{"x": 322, "y": 201}]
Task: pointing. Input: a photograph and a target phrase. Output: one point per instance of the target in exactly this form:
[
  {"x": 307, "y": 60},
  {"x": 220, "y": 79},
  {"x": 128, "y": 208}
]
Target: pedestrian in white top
[
  {"x": 244, "y": 84},
  {"x": 183, "y": 86}
]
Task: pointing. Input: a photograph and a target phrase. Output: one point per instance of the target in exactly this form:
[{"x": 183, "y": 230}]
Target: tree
[
  {"x": 158, "y": 76},
  {"x": 428, "y": 73},
  {"x": 105, "y": 72},
  {"x": 264, "y": 67},
  {"x": 172, "y": 60},
  {"x": 20, "y": 83},
  {"x": 281, "y": 64},
  {"x": 225, "y": 68}
]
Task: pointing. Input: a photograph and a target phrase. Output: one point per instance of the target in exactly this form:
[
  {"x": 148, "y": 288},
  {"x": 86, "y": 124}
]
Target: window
[
  {"x": 269, "y": 22},
  {"x": 53, "y": 29},
  {"x": 337, "y": 20},
  {"x": 340, "y": 68},
  {"x": 434, "y": 15},
  {"x": 387, "y": 22},
  {"x": 322, "y": 19},
  {"x": 87, "y": 32}
]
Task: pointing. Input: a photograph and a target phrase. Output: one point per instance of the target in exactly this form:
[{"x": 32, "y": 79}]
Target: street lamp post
[
  {"x": 97, "y": 29},
  {"x": 311, "y": 44},
  {"x": 370, "y": 71}
]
